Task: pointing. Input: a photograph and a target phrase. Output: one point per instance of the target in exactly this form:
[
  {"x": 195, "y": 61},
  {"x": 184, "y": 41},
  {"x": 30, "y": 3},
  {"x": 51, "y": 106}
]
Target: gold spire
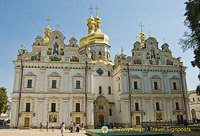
[
  {"x": 149, "y": 32},
  {"x": 97, "y": 21},
  {"x": 122, "y": 50},
  {"x": 91, "y": 22},
  {"x": 73, "y": 34},
  {"x": 142, "y": 37},
  {"x": 47, "y": 32}
]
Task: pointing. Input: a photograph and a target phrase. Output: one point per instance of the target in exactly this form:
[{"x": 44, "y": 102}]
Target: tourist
[
  {"x": 71, "y": 127},
  {"x": 82, "y": 127},
  {"x": 47, "y": 126},
  {"x": 52, "y": 127},
  {"x": 41, "y": 126},
  {"x": 74, "y": 126},
  {"x": 77, "y": 127},
  {"x": 62, "y": 128}
]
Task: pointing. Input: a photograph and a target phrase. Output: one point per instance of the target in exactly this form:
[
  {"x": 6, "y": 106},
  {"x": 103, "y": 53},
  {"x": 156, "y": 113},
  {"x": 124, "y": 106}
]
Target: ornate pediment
[
  {"x": 78, "y": 75},
  {"x": 30, "y": 74},
  {"x": 54, "y": 74},
  {"x": 155, "y": 77}
]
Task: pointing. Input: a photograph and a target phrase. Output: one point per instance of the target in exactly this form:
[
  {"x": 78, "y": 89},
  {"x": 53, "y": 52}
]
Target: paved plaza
[{"x": 37, "y": 132}]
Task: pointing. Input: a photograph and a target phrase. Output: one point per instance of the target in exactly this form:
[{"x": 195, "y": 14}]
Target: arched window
[
  {"x": 99, "y": 52},
  {"x": 100, "y": 106},
  {"x": 108, "y": 73},
  {"x": 109, "y": 90},
  {"x": 100, "y": 90},
  {"x": 193, "y": 114}
]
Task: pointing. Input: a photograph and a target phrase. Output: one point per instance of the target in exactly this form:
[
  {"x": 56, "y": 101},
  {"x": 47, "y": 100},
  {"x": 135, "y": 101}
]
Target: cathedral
[{"x": 63, "y": 82}]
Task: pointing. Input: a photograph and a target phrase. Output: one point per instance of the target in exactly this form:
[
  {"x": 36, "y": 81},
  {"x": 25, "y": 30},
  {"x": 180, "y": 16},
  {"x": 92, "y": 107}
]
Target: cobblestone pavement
[{"x": 37, "y": 132}]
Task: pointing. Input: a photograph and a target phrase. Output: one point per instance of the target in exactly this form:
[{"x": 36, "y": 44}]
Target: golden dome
[
  {"x": 47, "y": 33},
  {"x": 142, "y": 38},
  {"x": 94, "y": 34}
]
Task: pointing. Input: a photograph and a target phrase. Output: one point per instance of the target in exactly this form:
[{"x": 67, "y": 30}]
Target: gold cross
[
  {"x": 40, "y": 32},
  {"x": 136, "y": 37},
  {"x": 149, "y": 32},
  {"x": 91, "y": 10},
  {"x": 57, "y": 25},
  {"x": 141, "y": 26},
  {"x": 164, "y": 40},
  {"x": 21, "y": 45},
  {"x": 97, "y": 10},
  {"x": 73, "y": 34},
  {"x": 48, "y": 20},
  {"x": 63, "y": 32},
  {"x": 122, "y": 50}
]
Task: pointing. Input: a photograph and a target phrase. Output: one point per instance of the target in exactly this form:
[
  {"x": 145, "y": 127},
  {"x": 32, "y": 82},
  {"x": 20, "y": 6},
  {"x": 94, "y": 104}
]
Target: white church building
[{"x": 63, "y": 82}]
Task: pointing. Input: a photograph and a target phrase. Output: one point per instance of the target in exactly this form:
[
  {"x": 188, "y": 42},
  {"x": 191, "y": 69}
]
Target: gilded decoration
[{"x": 53, "y": 117}]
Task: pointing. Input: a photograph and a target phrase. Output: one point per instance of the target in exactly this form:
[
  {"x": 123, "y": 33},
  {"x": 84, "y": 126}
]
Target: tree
[
  {"x": 192, "y": 35},
  {"x": 3, "y": 100}
]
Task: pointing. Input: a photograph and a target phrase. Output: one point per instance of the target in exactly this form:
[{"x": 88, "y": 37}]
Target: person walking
[
  {"x": 74, "y": 127},
  {"x": 41, "y": 126},
  {"x": 82, "y": 127},
  {"x": 77, "y": 127},
  {"x": 71, "y": 127},
  {"x": 63, "y": 128},
  {"x": 52, "y": 127},
  {"x": 47, "y": 126}
]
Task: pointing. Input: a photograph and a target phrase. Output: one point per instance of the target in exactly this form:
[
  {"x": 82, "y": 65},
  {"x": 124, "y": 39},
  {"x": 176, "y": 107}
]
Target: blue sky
[{"x": 20, "y": 21}]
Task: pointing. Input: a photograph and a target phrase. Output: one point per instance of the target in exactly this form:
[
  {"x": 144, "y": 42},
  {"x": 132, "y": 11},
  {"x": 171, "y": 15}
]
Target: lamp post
[{"x": 86, "y": 68}]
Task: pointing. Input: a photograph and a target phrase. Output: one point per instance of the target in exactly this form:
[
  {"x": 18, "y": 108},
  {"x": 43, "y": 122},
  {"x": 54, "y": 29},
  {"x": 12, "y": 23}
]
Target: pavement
[
  {"x": 57, "y": 132},
  {"x": 37, "y": 132}
]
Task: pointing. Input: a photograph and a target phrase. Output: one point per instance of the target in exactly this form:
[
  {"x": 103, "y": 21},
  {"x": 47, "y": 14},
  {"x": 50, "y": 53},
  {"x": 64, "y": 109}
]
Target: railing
[{"x": 160, "y": 124}]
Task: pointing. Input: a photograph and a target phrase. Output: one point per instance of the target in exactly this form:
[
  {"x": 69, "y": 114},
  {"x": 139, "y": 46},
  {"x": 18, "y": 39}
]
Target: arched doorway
[
  {"x": 193, "y": 114},
  {"x": 101, "y": 120},
  {"x": 101, "y": 111}
]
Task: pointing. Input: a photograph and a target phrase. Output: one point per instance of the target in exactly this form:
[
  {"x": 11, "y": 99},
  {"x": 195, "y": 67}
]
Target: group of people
[{"x": 74, "y": 127}]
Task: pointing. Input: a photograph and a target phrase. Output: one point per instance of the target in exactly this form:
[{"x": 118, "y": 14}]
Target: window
[
  {"x": 177, "y": 106},
  {"x": 109, "y": 90},
  {"x": 174, "y": 86},
  {"x": 108, "y": 73},
  {"x": 100, "y": 90},
  {"x": 100, "y": 71},
  {"x": 78, "y": 107},
  {"x": 101, "y": 107},
  {"x": 29, "y": 83},
  {"x": 193, "y": 100},
  {"x": 118, "y": 86},
  {"x": 78, "y": 84},
  {"x": 136, "y": 106},
  {"x": 157, "y": 106},
  {"x": 135, "y": 85},
  {"x": 198, "y": 99},
  {"x": 99, "y": 53},
  {"x": 110, "y": 112},
  {"x": 155, "y": 85},
  {"x": 28, "y": 107},
  {"x": 53, "y": 83},
  {"x": 53, "y": 107}
]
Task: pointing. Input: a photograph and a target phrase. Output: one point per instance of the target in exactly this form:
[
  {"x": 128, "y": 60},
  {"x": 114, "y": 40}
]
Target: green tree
[
  {"x": 192, "y": 34},
  {"x": 3, "y": 100}
]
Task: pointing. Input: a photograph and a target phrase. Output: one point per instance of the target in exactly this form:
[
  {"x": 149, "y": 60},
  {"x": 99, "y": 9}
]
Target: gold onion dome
[
  {"x": 142, "y": 38},
  {"x": 94, "y": 33},
  {"x": 47, "y": 33}
]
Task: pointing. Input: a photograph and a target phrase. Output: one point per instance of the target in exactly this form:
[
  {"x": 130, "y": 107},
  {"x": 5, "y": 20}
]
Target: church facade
[{"x": 69, "y": 82}]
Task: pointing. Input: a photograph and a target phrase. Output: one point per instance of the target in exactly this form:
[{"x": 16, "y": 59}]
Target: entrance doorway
[
  {"x": 26, "y": 122},
  {"x": 101, "y": 120},
  {"x": 137, "y": 120},
  {"x": 180, "y": 119},
  {"x": 78, "y": 120}
]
